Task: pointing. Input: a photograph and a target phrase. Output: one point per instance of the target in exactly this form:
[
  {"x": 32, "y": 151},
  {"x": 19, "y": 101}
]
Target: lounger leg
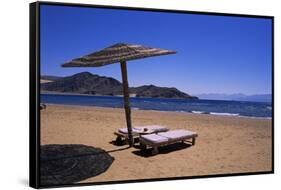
[
  {"x": 142, "y": 146},
  {"x": 193, "y": 141},
  {"x": 127, "y": 141},
  {"x": 155, "y": 150},
  {"x": 133, "y": 141},
  {"x": 118, "y": 140}
]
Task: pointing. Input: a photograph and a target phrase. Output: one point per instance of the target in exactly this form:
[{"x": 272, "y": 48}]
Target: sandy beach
[{"x": 225, "y": 144}]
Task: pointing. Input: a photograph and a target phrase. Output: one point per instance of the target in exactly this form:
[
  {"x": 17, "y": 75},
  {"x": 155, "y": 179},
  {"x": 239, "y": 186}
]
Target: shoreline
[{"x": 178, "y": 112}]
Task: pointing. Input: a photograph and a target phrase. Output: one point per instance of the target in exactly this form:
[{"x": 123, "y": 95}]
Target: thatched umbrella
[{"x": 119, "y": 52}]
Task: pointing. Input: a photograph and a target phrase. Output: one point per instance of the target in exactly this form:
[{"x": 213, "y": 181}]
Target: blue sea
[{"x": 213, "y": 107}]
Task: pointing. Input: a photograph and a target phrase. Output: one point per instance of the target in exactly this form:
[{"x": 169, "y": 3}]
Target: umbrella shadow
[
  {"x": 62, "y": 164},
  {"x": 80, "y": 155},
  {"x": 162, "y": 150}
]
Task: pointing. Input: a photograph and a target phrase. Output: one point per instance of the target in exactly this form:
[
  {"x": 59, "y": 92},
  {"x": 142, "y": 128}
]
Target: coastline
[
  {"x": 180, "y": 112},
  {"x": 225, "y": 144}
]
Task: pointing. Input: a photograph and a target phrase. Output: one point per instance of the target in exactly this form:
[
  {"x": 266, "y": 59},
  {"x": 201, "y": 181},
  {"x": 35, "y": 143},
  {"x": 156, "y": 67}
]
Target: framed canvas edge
[{"x": 34, "y": 93}]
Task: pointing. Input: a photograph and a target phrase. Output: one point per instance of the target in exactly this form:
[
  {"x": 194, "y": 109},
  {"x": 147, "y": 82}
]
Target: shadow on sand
[
  {"x": 70, "y": 163},
  {"x": 162, "y": 150},
  {"x": 122, "y": 142}
]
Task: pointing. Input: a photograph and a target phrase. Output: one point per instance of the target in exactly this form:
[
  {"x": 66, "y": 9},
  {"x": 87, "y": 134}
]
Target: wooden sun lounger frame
[
  {"x": 144, "y": 144},
  {"x": 125, "y": 137}
]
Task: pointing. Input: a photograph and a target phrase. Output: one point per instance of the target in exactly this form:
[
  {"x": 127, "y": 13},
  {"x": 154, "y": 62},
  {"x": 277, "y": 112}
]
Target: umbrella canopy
[
  {"x": 116, "y": 53},
  {"x": 119, "y": 52}
]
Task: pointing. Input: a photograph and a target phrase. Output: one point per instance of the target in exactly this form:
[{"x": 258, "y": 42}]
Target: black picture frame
[{"x": 34, "y": 93}]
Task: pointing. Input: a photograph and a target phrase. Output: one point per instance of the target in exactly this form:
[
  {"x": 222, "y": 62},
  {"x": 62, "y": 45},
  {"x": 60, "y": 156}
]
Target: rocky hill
[{"x": 88, "y": 83}]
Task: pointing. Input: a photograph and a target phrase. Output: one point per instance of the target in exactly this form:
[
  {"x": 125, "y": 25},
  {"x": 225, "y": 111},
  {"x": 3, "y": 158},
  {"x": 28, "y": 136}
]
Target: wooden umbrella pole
[{"x": 126, "y": 96}]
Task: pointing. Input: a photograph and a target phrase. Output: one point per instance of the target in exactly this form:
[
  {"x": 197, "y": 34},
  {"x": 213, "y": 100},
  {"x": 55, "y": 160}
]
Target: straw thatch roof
[{"x": 116, "y": 53}]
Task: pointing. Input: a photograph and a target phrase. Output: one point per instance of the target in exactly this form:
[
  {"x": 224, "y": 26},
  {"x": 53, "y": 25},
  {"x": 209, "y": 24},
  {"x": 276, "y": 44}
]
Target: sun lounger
[
  {"x": 166, "y": 138},
  {"x": 122, "y": 133}
]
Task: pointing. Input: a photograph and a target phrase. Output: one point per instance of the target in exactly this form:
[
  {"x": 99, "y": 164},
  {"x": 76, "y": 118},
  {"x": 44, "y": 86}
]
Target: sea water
[{"x": 213, "y": 107}]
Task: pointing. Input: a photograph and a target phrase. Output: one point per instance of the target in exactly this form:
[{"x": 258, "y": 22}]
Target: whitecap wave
[
  {"x": 181, "y": 111},
  {"x": 197, "y": 112},
  {"x": 269, "y": 107},
  {"x": 224, "y": 114}
]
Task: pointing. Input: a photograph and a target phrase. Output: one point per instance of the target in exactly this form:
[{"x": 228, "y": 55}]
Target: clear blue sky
[{"x": 215, "y": 54}]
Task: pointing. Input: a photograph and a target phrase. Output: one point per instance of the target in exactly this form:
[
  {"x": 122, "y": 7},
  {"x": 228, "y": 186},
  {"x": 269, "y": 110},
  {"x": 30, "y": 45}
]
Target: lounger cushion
[
  {"x": 178, "y": 134},
  {"x": 140, "y": 129},
  {"x": 125, "y": 130},
  {"x": 154, "y": 138},
  {"x": 154, "y": 128}
]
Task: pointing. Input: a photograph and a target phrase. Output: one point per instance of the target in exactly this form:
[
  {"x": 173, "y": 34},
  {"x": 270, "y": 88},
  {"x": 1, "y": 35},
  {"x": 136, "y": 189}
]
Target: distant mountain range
[
  {"x": 88, "y": 83},
  {"x": 237, "y": 97}
]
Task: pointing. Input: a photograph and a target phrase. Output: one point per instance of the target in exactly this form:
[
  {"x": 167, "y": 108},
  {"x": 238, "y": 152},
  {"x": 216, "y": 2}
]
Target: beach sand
[{"x": 225, "y": 144}]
